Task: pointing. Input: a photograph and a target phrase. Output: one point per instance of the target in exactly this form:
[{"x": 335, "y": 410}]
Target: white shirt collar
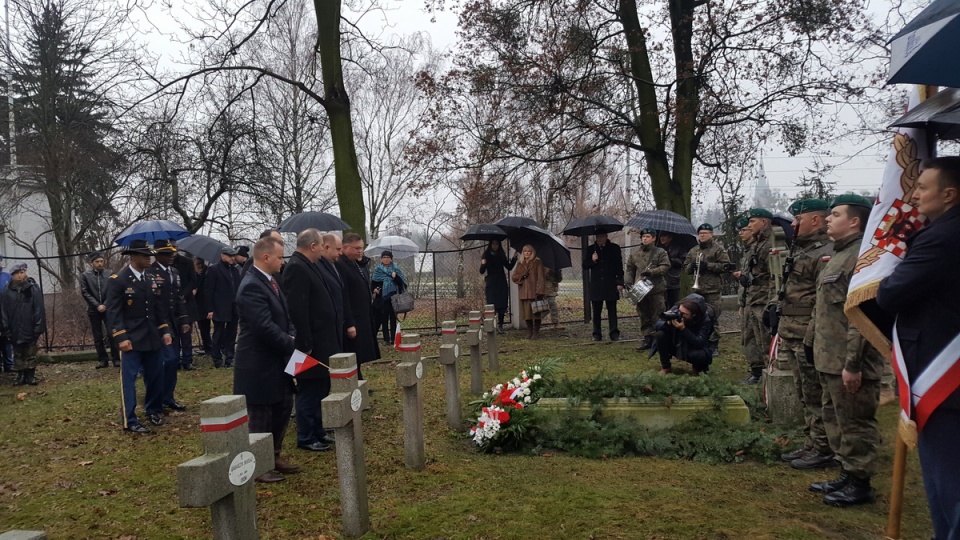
[
  {"x": 269, "y": 277},
  {"x": 138, "y": 275}
]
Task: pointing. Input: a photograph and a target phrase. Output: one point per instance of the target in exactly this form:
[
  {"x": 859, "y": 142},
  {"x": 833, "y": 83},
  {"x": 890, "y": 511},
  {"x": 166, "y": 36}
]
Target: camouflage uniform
[
  {"x": 711, "y": 271},
  {"x": 811, "y": 254},
  {"x": 756, "y": 338},
  {"x": 850, "y": 420},
  {"x": 654, "y": 260}
]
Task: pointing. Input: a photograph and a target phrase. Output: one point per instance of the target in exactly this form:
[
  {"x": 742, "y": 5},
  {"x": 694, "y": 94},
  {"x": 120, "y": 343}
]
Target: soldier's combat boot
[
  {"x": 830, "y": 486},
  {"x": 796, "y": 454},
  {"x": 536, "y": 329},
  {"x": 647, "y": 343},
  {"x": 529, "y": 328},
  {"x": 30, "y": 377},
  {"x": 754, "y": 377},
  {"x": 814, "y": 460},
  {"x": 21, "y": 377},
  {"x": 857, "y": 491}
]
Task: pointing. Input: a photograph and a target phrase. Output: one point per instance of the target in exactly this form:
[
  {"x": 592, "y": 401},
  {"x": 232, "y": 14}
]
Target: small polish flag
[
  {"x": 397, "y": 337},
  {"x": 299, "y": 362}
]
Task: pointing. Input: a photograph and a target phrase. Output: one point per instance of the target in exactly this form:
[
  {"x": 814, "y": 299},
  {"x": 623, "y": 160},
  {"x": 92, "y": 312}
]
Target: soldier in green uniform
[
  {"x": 649, "y": 262},
  {"x": 754, "y": 276},
  {"x": 849, "y": 367},
  {"x": 713, "y": 264},
  {"x": 810, "y": 252}
]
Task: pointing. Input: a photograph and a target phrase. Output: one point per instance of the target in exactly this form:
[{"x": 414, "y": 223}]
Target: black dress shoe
[
  {"x": 270, "y": 477},
  {"x": 136, "y": 428},
  {"x": 831, "y": 485},
  {"x": 796, "y": 454},
  {"x": 156, "y": 419},
  {"x": 188, "y": 367},
  {"x": 175, "y": 405},
  {"x": 327, "y": 439},
  {"x": 314, "y": 447},
  {"x": 614, "y": 338},
  {"x": 857, "y": 491},
  {"x": 102, "y": 365},
  {"x": 228, "y": 364}
]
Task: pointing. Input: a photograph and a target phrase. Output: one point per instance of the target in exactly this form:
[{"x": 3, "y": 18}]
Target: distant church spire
[{"x": 762, "y": 193}]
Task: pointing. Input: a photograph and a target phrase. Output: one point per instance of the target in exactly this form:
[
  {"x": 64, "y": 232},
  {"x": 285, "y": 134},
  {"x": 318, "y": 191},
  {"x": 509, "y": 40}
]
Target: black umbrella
[
  {"x": 940, "y": 114},
  {"x": 484, "y": 231},
  {"x": 787, "y": 225},
  {"x": 592, "y": 225},
  {"x": 924, "y": 51},
  {"x": 321, "y": 221},
  {"x": 202, "y": 246},
  {"x": 550, "y": 248},
  {"x": 511, "y": 223},
  {"x": 663, "y": 220}
]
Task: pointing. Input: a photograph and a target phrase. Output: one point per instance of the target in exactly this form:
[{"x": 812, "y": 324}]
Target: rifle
[{"x": 788, "y": 266}]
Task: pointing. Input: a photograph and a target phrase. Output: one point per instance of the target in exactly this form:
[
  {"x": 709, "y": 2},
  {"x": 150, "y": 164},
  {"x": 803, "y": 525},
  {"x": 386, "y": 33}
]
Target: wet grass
[{"x": 69, "y": 469}]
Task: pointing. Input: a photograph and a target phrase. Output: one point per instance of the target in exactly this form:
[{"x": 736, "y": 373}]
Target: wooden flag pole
[{"x": 896, "y": 490}]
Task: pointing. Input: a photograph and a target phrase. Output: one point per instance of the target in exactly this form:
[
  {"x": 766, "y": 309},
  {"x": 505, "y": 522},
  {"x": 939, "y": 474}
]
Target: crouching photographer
[{"x": 684, "y": 332}]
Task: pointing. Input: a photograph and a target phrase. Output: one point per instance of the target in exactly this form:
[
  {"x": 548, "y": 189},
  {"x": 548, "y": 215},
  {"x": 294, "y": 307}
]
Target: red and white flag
[
  {"x": 397, "y": 337},
  {"x": 300, "y": 362}
]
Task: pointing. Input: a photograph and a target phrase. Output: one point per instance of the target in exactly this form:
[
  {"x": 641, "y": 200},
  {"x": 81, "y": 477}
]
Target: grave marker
[
  {"x": 449, "y": 354},
  {"x": 409, "y": 375},
  {"x": 341, "y": 411},
  {"x": 222, "y": 478},
  {"x": 490, "y": 327},
  {"x": 473, "y": 341}
]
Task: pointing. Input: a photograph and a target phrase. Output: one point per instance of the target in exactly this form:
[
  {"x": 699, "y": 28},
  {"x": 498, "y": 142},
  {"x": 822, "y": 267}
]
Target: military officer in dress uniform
[
  {"x": 754, "y": 276},
  {"x": 848, "y": 366},
  {"x": 169, "y": 282},
  {"x": 811, "y": 251},
  {"x": 138, "y": 324},
  {"x": 709, "y": 262},
  {"x": 649, "y": 262}
]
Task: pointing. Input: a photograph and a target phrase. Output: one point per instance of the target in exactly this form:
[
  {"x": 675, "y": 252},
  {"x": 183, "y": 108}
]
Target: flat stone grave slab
[{"x": 655, "y": 413}]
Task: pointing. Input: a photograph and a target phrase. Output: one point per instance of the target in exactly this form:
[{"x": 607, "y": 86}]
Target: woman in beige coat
[{"x": 529, "y": 277}]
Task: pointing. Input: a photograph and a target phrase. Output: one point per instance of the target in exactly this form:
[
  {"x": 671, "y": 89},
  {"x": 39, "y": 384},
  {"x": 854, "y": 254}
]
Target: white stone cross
[
  {"x": 449, "y": 354},
  {"x": 490, "y": 327},
  {"x": 222, "y": 478},
  {"x": 409, "y": 375},
  {"x": 473, "y": 341}
]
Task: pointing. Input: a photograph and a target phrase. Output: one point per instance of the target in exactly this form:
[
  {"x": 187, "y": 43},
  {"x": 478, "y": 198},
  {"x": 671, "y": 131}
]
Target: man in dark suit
[
  {"x": 924, "y": 294},
  {"x": 220, "y": 287},
  {"x": 169, "y": 287},
  {"x": 319, "y": 334},
  {"x": 138, "y": 324},
  {"x": 330, "y": 252},
  {"x": 93, "y": 288},
  {"x": 605, "y": 263},
  {"x": 353, "y": 267},
  {"x": 264, "y": 345},
  {"x": 189, "y": 282}
]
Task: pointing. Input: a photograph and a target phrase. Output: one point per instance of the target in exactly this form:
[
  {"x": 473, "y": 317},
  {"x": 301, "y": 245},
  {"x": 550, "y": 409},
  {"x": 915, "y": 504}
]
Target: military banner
[{"x": 892, "y": 220}]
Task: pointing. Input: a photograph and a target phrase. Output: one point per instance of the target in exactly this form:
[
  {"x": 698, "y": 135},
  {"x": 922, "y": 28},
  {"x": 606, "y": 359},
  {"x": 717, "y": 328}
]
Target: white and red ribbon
[
  {"x": 939, "y": 379},
  {"x": 224, "y": 423}
]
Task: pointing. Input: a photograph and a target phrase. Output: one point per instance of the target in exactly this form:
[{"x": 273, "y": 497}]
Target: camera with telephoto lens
[{"x": 671, "y": 315}]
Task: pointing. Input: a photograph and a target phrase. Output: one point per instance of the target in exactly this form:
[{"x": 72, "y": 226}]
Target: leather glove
[
  {"x": 745, "y": 280},
  {"x": 808, "y": 353},
  {"x": 771, "y": 319},
  {"x": 645, "y": 274}
]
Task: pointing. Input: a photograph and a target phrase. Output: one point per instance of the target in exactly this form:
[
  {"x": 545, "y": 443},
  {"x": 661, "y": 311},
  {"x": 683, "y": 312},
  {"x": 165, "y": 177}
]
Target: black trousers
[
  {"x": 673, "y": 296},
  {"x": 388, "y": 320},
  {"x": 272, "y": 419},
  {"x": 310, "y": 392},
  {"x": 203, "y": 325},
  {"x": 224, "y": 340},
  {"x": 611, "y": 315},
  {"x": 666, "y": 339},
  {"x": 101, "y": 341}
]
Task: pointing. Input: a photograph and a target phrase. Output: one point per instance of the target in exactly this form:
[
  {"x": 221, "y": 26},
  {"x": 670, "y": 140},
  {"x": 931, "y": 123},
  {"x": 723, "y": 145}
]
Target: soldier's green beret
[
  {"x": 808, "y": 205},
  {"x": 705, "y": 227},
  {"x": 760, "y": 213},
  {"x": 742, "y": 222},
  {"x": 648, "y": 230},
  {"x": 851, "y": 199}
]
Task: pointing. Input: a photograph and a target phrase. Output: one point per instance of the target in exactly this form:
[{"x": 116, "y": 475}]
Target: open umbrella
[
  {"x": 592, "y": 225},
  {"x": 924, "y": 51},
  {"x": 663, "y": 220},
  {"x": 202, "y": 246},
  {"x": 484, "y": 231},
  {"x": 511, "y": 223},
  {"x": 400, "y": 246},
  {"x": 940, "y": 114},
  {"x": 321, "y": 221},
  {"x": 550, "y": 248},
  {"x": 151, "y": 231}
]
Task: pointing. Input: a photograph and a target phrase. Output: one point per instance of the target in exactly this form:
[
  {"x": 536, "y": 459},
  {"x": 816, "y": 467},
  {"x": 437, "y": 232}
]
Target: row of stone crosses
[{"x": 223, "y": 477}]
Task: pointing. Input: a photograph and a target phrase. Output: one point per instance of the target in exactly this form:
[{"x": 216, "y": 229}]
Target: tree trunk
[
  {"x": 688, "y": 102},
  {"x": 337, "y": 104}
]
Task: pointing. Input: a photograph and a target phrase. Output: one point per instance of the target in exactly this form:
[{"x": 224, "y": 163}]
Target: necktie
[{"x": 276, "y": 289}]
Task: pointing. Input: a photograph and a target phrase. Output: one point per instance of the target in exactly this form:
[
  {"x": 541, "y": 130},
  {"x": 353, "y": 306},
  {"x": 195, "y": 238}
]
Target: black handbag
[{"x": 402, "y": 303}]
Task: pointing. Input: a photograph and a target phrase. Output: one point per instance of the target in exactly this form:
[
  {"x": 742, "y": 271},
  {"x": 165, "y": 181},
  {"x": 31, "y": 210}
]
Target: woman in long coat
[
  {"x": 494, "y": 265},
  {"x": 529, "y": 276}
]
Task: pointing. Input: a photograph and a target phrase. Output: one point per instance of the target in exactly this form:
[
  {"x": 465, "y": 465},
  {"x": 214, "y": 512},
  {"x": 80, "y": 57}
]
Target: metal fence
[{"x": 447, "y": 285}]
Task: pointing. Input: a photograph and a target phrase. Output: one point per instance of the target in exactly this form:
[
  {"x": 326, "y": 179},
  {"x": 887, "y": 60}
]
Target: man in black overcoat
[
  {"x": 353, "y": 267},
  {"x": 264, "y": 345},
  {"x": 923, "y": 293},
  {"x": 330, "y": 252},
  {"x": 605, "y": 263},
  {"x": 319, "y": 334},
  {"x": 220, "y": 287}
]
